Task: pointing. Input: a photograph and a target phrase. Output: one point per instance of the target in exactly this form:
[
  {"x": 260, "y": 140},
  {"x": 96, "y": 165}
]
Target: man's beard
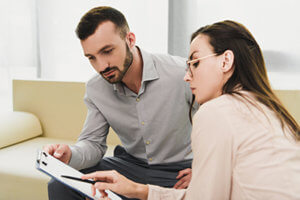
[{"x": 118, "y": 74}]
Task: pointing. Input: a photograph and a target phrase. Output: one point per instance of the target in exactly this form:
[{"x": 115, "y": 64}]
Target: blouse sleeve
[
  {"x": 212, "y": 146},
  {"x": 161, "y": 193}
]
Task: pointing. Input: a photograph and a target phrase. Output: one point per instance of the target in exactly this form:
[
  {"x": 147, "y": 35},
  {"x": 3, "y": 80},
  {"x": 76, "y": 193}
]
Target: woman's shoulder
[
  {"x": 214, "y": 108},
  {"x": 235, "y": 106},
  {"x": 222, "y": 102},
  {"x": 215, "y": 119}
]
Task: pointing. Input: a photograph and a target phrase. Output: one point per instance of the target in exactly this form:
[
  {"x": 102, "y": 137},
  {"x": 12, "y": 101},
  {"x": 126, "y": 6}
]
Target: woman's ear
[
  {"x": 228, "y": 60},
  {"x": 130, "y": 39}
]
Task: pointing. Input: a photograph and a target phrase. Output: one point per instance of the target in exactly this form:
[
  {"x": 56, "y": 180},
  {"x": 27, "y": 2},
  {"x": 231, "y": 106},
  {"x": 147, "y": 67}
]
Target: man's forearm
[{"x": 86, "y": 155}]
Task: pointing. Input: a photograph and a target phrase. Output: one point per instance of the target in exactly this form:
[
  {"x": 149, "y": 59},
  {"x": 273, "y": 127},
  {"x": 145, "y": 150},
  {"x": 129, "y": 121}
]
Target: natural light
[{"x": 38, "y": 39}]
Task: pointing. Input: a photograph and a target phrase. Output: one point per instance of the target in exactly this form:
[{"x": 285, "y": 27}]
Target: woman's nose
[{"x": 187, "y": 77}]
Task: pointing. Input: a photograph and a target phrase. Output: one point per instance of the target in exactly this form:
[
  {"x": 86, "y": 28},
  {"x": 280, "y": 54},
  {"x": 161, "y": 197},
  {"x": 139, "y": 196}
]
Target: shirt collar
[{"x": 149, "y": 71}]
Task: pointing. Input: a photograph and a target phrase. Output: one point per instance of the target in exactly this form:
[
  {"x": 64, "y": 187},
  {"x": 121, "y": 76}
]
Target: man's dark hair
[{"x": 93, "y": 18}]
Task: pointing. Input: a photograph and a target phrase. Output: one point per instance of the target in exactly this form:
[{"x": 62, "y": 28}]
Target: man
[{"x": 142, "y": 97}]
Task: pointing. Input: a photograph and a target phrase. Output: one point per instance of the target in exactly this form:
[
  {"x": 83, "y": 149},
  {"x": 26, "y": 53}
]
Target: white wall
[
  {"x": 276, "y": 27},
  {"x": 18, "y": 45},
  {"x": 61, "y": 53},
  {"x": 274, "y": 24}
]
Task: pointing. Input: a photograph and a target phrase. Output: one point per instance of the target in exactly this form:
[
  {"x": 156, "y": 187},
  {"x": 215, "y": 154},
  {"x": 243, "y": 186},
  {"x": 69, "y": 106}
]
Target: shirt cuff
[
  {"x": 76, "y": 159},
  {"x": 161, "y": 193}
]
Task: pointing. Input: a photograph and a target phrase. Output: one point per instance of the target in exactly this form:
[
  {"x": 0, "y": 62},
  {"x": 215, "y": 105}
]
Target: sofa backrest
[
  {"x": 59, "y": 106},
  {"x": 291, "y": 100}
]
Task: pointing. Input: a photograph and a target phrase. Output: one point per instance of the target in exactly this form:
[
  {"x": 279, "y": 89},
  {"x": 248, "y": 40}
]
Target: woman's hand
[{"x": 117, "y": 183}]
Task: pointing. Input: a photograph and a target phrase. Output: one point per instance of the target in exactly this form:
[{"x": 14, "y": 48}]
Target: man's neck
[{"x": 133, "y": 77}]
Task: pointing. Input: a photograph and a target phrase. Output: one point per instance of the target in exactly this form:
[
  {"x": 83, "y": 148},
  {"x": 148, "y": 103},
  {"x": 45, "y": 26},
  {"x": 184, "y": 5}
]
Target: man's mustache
[{"x": 107, "y": 69}]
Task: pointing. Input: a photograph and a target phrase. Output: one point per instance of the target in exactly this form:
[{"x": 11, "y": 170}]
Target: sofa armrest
[{"x": 18, "y": 126}]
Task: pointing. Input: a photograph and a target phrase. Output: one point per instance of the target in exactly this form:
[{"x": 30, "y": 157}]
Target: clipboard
[{"x": 55, "y": 169}]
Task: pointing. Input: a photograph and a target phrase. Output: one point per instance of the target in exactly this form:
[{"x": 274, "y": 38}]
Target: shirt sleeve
[
  {"x": 91, "y": 145},
  {"x": 213, "y": 157}
]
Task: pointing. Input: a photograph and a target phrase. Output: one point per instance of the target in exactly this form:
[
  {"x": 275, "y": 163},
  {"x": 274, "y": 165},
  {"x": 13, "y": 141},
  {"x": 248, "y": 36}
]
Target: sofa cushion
[
  {"x": 19, "y": 177},
  {"x": 18, "y": 126}
]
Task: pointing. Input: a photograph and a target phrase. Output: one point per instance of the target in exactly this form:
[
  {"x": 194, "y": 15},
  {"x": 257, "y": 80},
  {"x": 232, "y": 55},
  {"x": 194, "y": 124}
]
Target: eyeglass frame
[{"x": 188, "y": 62}]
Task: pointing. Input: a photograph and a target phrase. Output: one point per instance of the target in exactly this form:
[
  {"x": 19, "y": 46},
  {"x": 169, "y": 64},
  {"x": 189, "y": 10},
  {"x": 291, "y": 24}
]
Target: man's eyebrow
[
  {"x": 104, "y": 48},
  {"x": 100, "y": 50}
]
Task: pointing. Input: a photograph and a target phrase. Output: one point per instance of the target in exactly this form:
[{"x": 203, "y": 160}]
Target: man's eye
[
  {"x": 108, "y": 51},
  {"x": 91, "y": 58},
  {"x": 196, "y": 64}
]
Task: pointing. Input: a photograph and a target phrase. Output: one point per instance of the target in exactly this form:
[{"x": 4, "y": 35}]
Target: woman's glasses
[{"x": 188, "y": 62}]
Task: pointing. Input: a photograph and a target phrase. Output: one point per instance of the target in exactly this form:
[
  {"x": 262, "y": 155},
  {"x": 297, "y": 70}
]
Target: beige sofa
[
  {"x": 44, "y": 112},
  {"x": 52, "y": 112}
]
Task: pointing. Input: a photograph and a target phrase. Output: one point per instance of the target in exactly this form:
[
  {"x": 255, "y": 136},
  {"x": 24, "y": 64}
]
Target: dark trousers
[{"x": 127, "y": 165}]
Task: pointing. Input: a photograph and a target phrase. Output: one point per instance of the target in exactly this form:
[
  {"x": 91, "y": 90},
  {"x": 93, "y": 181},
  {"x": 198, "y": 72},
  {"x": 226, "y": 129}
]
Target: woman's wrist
[{"x": 141, "y": 191}]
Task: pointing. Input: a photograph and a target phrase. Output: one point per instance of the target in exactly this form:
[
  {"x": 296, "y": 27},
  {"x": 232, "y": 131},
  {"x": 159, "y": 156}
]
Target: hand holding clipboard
[{"x": 56, "y": 169}]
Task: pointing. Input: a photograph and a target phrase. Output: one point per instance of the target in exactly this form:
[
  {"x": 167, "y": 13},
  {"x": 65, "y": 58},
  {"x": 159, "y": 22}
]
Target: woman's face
[{"x": 207, "y": 75}]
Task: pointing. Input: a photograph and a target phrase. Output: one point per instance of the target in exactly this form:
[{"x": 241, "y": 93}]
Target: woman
[{"x": 245, "y": 143}]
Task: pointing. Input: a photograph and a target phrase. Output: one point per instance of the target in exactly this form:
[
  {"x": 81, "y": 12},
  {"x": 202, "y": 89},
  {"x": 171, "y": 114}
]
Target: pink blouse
[{"x": 240, "y": 153}]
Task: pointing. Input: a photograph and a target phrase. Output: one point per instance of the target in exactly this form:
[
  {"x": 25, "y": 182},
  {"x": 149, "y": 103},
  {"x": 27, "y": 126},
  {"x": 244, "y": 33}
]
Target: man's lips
[{"x": 109, "y": 73}]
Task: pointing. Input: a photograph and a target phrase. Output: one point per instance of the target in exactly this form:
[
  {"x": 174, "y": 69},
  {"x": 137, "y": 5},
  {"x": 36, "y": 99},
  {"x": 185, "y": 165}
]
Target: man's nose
[{"x": 101, "y": 65}]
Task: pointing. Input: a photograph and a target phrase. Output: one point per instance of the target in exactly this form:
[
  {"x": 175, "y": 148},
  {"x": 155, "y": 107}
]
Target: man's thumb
[{"x": 59, "y": 151}]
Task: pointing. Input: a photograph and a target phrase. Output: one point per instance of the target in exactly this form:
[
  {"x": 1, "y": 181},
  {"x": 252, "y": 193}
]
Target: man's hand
[
  {"x": 60, "y": 151},
  {"x": 185, "y": 179}
]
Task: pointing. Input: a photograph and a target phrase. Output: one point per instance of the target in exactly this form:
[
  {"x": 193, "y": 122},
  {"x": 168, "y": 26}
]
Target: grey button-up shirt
[{"x": 153, "y": 125}]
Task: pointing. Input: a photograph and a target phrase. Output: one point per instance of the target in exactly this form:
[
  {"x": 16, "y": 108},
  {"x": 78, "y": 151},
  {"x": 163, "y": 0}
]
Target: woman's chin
[
  {"x": 198, "y": 99},
  {"x": 201, "y": 99}
]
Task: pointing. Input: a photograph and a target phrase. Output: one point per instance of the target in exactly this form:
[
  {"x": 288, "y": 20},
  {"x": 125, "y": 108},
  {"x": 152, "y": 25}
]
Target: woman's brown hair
[{"x": 249, "y": 67}]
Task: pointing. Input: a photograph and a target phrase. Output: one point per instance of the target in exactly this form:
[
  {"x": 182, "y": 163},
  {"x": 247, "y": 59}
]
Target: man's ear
[
  {"x": 130, "y": 39},
  {"x": 228, "y": 60}
]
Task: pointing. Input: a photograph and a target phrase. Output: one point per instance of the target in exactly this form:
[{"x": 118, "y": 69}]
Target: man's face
[{"x": 108, "y": 53}]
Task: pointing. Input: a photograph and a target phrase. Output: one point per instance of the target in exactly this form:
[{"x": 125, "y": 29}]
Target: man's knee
[
  {"x": 55, "y": 186},
  {"x": 59, "y": 191}
]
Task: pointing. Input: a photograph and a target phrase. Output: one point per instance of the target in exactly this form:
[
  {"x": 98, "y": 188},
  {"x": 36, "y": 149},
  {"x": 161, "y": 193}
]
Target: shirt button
[
  {"x": 137, "y": 99},
  {"x": 143, "y": 123},
  {"x": 150, "y": 159},
  {"x": 147, "y": 142}
]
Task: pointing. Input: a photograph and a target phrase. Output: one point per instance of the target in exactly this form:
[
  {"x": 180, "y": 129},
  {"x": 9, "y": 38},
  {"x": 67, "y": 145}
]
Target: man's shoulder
[
  {"x": 98, "y": 87},
  {"x": 97, "y": 82},
  {"x": 95, "y": 79},
  {"x": 169, "y": 60}
]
